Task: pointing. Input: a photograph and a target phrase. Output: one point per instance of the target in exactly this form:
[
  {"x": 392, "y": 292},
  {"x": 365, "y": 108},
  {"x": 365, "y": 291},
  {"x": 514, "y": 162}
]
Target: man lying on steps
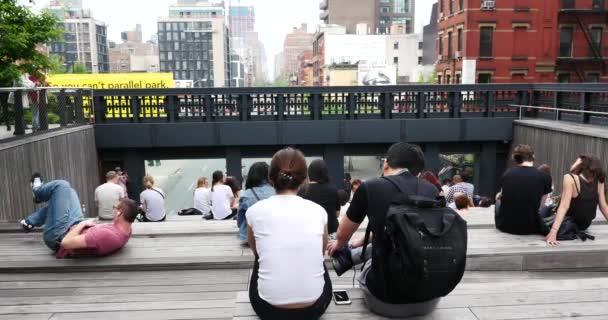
[{"x": 66, "y": 233}]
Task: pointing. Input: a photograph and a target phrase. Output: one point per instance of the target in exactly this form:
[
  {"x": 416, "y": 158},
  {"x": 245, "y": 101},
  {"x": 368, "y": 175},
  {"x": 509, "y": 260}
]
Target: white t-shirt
[
  {"x": 154, "y": 203},
  {"x": 202, "y": 200},
  {"x": 221, "y": 200},
  {"x": 288, "y": 233},
  {"x": 107, "y": 196}
]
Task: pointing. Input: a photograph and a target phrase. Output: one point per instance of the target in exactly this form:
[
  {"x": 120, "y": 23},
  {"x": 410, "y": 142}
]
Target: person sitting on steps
[
  {"x": 583, "y": 191},
  {"x": 66, "y": 233}
]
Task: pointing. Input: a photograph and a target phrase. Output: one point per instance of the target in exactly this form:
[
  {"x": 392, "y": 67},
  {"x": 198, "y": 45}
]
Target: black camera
[{"x": 342, "y": 261}]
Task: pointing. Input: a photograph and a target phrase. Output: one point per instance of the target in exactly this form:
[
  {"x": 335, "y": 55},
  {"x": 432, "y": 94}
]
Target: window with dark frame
[
  {"x": 565, "y": 42},
  {"x": 396, "y": 45},
  {"x": 459, "y": 40},
  {"x": 486, "y": 36},
  {"x": 593, "y": 77},
  {"x": 440, "y": 44},
  {"x": 484, "y": 78},
  {"x": 451, "y": 6},
  {"x": 438, "y": 79},
  {"x": 460, "y": 5},
  {"x": 597, "y": 4},
  {"x": 596, "y": 38},
  {"x": 450, "y": 46},
  {"x": 568, "y": 4},
  {"x": 563, "y": 78},
  {"x": 441, "y": 8},
  {"x": 395, "y": 60}
]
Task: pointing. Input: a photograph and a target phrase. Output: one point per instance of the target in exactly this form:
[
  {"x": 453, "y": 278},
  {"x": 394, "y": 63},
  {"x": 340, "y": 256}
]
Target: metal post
[
  {"x": 585, "y": 104},
  {"x": 351, "y": 101},
  {"x": 388, "y": 104},
  {"x": 315, "y": 104},
  {"x": 62, "y": 108},
  {"x": 43, "y": 110},
  {"x": 99, "y": 104},
  {"x": 243, "y": 110},
  {"x": 171, "y": 109},
  {"x": 79, "y": 107},
  {"x": 208, "y": 107},
  {"x": 135, "y": 109},
  {"x": 19, "y": 120},
  {"x": 420, "y": 105},
  {"x": 234, "y": 162},
  {"x": 280, "y": 107}
]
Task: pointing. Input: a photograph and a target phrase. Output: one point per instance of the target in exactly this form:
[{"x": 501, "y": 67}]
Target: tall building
[
  {"x": 522, "y": 41},
  {"x": 305, "y": 73},
  {"x": 194, "y": 43},
  {"x": 429, "y": 39},
  {"x": 245, "y": 41},
  {"x": 134, "y": 56},
  {"x": 380, "y": 16},
  {"x": 279, "y": 60},
  {"x": 405, "y": 52},
  {"x": 84, "y": 38},
  {"x": 241, "y": 18},
  {"x": 296, "y": 42},
  {"x": 132, "y": 35}
]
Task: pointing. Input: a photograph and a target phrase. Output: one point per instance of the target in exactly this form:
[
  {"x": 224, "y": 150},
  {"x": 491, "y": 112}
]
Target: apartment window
[
  {"x": 419, "y": 60},
  {"x": 438, "y": 79},
  {"x": 457, "y": 80},
  {"x": 563, "y": 78},
  {"x": 448, "y": 79},
  {"x": 485, "y": 41},
  {"x": 459, "y": 40},
  {"x": 396, "y": 45},
  {"x": 596, "y": 38},
  {"x": 568, "y": 4},
  {"x": 484, "y": 78},
  {"x": 401, "y": 6},
  {"x": 597, "y": 4},
  {"x": 441, "y": 8},
  {"x": 440, "y": 44},
  {"x": 460, "y": 5},
  {"x": 451, "y": 6},
  {"x": 450, "y": 46},
  {"x": 593, "y": 77},
  {"x": 565, "y": 42},
  {"x": 396, "y": 60},
  {"x": 385, "y": 10},
  {"x": 420, "y": 44}
]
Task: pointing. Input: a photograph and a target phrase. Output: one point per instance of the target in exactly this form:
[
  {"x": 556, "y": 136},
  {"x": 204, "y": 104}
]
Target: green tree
[
  {"x": 79, "y": 67},
  {"x": 421, "y": 78},
  {"x": 280, "y": 83},
  {"x": 20, "y": 31},
  {"x": 56, "y": 64},
  {"x": 433, "y": 77}
]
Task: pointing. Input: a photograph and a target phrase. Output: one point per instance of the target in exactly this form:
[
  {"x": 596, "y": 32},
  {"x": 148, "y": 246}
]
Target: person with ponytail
[
  {"x": 222, "y": 197},
  {"x": 583, "y": 191},
  {"x": 524, "y": 191},
  {"x": 287, "y": 229},
  {"x": 152, "y": 202}
]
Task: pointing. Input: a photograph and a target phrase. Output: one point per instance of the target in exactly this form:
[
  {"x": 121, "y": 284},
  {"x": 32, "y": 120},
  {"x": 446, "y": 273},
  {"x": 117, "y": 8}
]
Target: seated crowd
[{"x": 291, "y": 212}]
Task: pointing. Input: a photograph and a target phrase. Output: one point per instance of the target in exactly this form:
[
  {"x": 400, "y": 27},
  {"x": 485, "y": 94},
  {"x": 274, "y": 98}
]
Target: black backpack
[{"x": 425, "y": 245}]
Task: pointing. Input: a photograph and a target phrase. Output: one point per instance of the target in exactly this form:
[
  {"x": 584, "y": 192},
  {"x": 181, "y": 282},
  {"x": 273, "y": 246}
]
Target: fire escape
[{"x": 582, "y": 18}]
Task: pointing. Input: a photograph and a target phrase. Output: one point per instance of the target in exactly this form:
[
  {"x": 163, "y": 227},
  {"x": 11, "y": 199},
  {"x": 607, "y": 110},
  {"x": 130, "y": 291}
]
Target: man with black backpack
[{"x": 418, "y": 249}]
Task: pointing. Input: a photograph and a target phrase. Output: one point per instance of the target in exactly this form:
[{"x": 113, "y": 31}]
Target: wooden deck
[{"x": 187, "y": 268}]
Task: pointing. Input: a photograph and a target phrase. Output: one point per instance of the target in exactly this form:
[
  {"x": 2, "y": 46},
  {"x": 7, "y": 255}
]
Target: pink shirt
[{"x": 101, "y": 240}]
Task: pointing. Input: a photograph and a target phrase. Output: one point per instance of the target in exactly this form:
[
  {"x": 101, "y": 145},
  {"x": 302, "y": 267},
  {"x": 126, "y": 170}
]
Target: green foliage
[
  {"x": 79, "y": 68},
  {"x": 21, "y": 30},
  {"x": 421, "y": 78},
  {"x": 56, "y": 64},
  {"x": 433, "y": 77},
  {"x": 280, "y": 83}
]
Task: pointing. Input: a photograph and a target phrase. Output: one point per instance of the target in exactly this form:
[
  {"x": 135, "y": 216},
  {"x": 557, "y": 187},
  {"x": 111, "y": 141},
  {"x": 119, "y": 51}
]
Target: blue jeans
[{"x": 61, "y": 213}]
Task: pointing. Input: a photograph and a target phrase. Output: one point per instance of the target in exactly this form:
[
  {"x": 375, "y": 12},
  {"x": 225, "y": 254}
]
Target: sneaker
[
  {"x": 36, "y": 181},
  {"x": 26, "y": 226}
]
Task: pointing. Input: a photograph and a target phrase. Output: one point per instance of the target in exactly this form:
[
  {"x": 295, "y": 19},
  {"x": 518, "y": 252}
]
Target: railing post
[
  {"x": 243, "y": 107},
  {"x": 556, "y": 104},
  {"x": 135, "y": 108},
  {"x": 454, "y": 104},
  {"x": 585, "y": 104},
  {"x": 172, "y": 109},
  {"x": 43, "y": 110},
  {"x": 62, "y": 108},
  {"x": 535, "y": 97},
  {"x": 315, "y": 104},
  {"x": 280, "y": 107},
  {"x": 19, "y": 120},
  {"x": 388, "y": 105},
  {"x": 78, "y": 106},
  {"x": 208, "y": 107},
  {"x": 491, "y": 104},
  {"x": 351, "y": 102},
  {"x": 420, "y": 105},
  {"x": 99, "y": 104}
]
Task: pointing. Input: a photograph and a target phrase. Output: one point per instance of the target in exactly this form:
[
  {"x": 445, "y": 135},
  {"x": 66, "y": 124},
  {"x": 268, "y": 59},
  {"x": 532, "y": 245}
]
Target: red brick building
[
  {"x": 515, "y": 41},
  {"x": 305, "y": 72}
]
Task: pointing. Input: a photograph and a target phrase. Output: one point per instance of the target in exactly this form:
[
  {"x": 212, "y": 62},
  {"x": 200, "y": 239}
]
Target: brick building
[
  {"x": 305, "y": 72},
  {"x": 295, "y": 43},
  {"x": 515, "y": 41}
]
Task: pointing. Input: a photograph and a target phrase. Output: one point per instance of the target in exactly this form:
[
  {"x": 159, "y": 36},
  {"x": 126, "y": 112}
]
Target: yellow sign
[
  {"x": 100, "y": 81},
  {"x": 120, "y": 106}
]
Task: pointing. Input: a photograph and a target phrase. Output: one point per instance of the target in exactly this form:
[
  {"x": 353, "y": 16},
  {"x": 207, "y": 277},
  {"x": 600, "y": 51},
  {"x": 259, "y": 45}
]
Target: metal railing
[
  {"x": 525, "y": 109},
  {"x": 26, "y": 110},
  {"x": 331, "y": 103}
]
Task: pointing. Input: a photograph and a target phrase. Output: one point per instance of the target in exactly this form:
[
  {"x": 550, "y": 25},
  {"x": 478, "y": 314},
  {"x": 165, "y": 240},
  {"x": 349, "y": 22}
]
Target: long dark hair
[
  {"x": 591, "y": 168},
  {"x": 258, "y": 175},
  {"x": 216, "y": 177},
  {"x": 318, "y": 172},
  {"x": 234, "y": 184}
]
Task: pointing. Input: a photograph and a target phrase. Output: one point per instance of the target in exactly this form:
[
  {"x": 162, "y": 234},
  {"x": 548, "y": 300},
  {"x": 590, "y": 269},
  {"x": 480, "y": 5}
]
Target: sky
[{"x": 274, "y": 18}]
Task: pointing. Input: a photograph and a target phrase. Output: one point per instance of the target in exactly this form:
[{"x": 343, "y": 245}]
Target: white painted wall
[{"x": 351, "y": 48}]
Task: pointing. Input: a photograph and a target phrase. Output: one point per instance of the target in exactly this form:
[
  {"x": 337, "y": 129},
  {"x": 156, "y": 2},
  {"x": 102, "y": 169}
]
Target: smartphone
[{"x": 341, "y": 297}]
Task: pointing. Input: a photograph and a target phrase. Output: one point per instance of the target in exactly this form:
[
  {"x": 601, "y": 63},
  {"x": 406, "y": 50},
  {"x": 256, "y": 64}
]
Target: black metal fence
[
  {"x": 349, "y": 103},
  {"x": 24, "y": 111}
]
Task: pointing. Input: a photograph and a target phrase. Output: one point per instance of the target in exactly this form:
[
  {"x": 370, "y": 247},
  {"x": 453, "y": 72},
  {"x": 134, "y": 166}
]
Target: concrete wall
[
  {"x": 558, "y": 145},
  {"x": 68, "y": 154}
]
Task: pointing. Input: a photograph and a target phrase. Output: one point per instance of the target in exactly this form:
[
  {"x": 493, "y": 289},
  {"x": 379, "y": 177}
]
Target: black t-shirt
[
  {"x": 372, "y": 199},
  {"x": 522, "y": 192},
  {"x": 325, "y": 195}
]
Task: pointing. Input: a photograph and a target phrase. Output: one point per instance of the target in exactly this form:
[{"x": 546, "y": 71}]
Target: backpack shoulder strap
[
  {"x": 578, "y": 190},
  {"x": 161, "y": 194},
  {"x": 255, "y": 194}
]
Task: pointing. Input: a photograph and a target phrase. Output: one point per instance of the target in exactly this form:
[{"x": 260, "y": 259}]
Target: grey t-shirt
[
  {"x": 153, "y": 201},
  {"x": 107, "y": 196}
]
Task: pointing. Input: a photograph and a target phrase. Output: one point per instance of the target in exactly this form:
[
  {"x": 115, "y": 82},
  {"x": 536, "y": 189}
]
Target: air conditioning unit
[
  {"x": 488, "y": 4},
  {"x": 458, "y": 55},
  {"x": 439, "y": 57}
]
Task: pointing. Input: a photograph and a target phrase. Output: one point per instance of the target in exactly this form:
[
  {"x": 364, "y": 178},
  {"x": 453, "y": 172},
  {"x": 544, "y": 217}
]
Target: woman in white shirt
[
  {"x": 288, "y": 235},
  {"x": 202, "y": 197},
  {"x": 152, "y": 202},
  {"x": 221, "y": 197}
]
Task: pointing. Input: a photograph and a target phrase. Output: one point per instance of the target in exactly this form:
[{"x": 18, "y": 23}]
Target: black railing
[
  {"x": 339, "y": 103},
  {"x": 24, "y": 110}
]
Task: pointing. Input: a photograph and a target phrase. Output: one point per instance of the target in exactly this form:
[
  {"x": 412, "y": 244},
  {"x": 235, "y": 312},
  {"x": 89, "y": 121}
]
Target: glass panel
[
  {"x": 565, "y": 42},
  {"x": 485, "y": 47},
  {"x": 177, "y": 179},
  {"x": 363, "y": 167}
]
